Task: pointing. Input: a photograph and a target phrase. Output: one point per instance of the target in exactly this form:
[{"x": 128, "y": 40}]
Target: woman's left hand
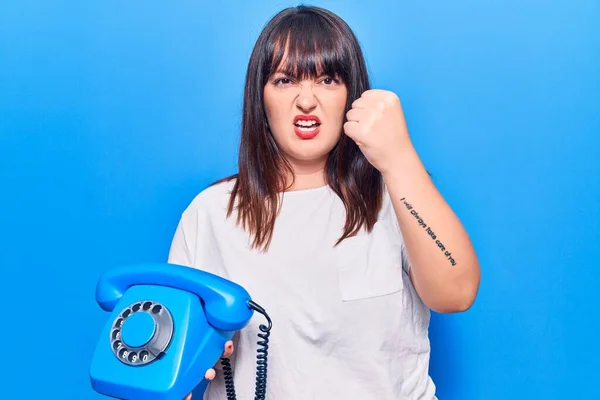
[{"x": 376, "y": 123}]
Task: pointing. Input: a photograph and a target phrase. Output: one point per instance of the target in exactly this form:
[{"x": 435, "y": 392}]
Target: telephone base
[{"x": 185, "y": 342}]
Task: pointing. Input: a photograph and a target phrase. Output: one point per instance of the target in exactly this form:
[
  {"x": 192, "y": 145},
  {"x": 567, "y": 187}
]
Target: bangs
[{"x": 306, "y": 46}]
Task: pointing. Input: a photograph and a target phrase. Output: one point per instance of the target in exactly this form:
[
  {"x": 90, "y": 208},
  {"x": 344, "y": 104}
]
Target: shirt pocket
[{"x": 370, "y": 264}]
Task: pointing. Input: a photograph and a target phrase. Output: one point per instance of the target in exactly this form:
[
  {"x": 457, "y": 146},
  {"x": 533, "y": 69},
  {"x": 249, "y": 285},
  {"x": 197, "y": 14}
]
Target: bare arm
[{"x": 444, "y": 267}]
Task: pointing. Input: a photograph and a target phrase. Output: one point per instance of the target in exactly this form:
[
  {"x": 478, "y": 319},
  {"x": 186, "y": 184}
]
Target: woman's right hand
[{"x": 211, "y": 373}]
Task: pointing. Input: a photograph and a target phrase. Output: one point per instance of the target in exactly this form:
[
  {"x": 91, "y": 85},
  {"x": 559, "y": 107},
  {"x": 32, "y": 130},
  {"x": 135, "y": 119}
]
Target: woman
[{"x": 332, "y": 224}]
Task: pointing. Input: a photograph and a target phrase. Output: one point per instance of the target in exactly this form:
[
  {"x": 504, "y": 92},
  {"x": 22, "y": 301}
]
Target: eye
[
  {"x": 328, "y": 80},
  {"x": 282, "y": 81}
]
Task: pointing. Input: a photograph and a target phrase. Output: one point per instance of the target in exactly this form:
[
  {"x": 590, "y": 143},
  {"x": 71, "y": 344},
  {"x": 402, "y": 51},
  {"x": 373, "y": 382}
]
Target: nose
[{"x": 306, "y": 100}]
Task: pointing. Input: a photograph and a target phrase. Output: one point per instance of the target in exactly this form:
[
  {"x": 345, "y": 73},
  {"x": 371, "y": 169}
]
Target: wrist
[{"x": 406, "y": 162}]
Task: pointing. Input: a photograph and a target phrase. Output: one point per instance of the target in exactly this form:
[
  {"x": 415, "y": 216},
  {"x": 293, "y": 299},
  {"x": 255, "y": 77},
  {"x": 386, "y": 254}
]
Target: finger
[
  {"x": 352, "y": 129},
  {"x": 188, "y": 397},
  {"x": 228, "y": 349},
  {"x": 379, "y": 99},
  {"x": 357, "y": 114},
  {"x": 361, "y": 102},
  {"x": 374, "y": 93},
  {"x": 210, "y": 374}
]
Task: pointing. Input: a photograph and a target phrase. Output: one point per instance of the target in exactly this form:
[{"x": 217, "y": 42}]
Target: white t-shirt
[{"x": 347, "y": 322}]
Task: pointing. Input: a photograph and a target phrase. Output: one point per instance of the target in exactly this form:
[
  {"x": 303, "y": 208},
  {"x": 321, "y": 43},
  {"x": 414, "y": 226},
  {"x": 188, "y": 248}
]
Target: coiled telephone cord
[{"x": 261, "y": 362}]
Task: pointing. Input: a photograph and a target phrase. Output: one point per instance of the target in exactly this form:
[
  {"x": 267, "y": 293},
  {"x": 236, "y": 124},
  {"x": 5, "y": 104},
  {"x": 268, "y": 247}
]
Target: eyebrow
[{"x": 282, "y": 72}]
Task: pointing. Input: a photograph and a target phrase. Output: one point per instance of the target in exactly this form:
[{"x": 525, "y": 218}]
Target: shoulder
[
  {"x": 212, "y": 199},
  {"x": 192, "y": 240},
  {"x": 215, "y": 194}
]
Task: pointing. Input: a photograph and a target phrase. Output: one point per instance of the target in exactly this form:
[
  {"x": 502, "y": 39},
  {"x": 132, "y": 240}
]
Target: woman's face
[{"x": 306, "y": 117}]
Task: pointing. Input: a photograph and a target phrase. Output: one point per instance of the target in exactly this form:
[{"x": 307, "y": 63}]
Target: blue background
[{"x": 114, "y": 114}]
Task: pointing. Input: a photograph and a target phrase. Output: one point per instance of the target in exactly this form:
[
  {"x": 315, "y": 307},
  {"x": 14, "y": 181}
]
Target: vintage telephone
[{"x": 168, "y": 324}]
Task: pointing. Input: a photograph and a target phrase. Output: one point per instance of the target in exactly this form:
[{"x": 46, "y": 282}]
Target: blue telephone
[{"x": 168, "y": 324}]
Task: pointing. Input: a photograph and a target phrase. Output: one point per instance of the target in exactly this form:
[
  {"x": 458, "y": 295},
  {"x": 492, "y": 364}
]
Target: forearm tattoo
[{"x": 427, "y": 229}]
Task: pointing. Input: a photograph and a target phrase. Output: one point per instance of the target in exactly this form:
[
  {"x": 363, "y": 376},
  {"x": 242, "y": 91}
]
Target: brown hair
[{"x": 317, "y": 41}]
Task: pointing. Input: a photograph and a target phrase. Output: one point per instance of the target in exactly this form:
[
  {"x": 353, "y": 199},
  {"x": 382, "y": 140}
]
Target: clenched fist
[{"x": 376, "y": 124}]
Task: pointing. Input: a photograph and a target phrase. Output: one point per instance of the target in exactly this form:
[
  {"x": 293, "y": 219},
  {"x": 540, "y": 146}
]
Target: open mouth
[{"x": 306, "y": 127}]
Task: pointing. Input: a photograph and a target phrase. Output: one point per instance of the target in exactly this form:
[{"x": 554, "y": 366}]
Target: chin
[
  {"x": 309, "y": 157},
  {"x": 310, "y": 150},
  {"x": 315, "y": 149}
]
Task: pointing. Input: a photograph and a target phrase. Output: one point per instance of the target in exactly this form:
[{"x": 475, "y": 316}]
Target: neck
[{"x": 307, "y": 175}]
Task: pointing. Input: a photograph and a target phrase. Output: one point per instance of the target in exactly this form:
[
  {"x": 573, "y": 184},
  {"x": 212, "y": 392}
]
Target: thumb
[{"x": 351, "y": 129}]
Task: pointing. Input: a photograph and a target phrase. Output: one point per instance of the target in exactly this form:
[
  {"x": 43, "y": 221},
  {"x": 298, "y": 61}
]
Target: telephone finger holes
[
  {"x": 132, "y": 357},
  {"x": 149, "y": 330},
  {"x": 123, "y": 353}
]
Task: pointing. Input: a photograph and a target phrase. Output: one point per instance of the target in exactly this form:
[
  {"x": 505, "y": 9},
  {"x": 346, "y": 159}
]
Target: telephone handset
[{"x": 168, "y": 325}]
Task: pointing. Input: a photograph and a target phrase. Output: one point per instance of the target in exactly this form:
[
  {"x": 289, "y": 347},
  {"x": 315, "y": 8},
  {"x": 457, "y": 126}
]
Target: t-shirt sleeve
[
  {"x": 180, "y": 252},
  {"x": 188, "y": 249},
  {"x": 405, "y": 260},
  {"x": 186, "y": 245}
]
